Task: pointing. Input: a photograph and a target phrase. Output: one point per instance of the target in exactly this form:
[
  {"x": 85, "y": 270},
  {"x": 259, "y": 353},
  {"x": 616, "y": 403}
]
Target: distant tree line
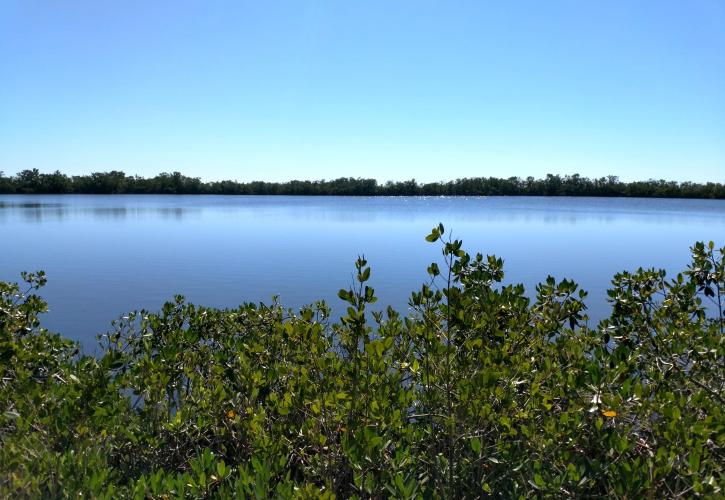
[{"x": 116, "y": 182}]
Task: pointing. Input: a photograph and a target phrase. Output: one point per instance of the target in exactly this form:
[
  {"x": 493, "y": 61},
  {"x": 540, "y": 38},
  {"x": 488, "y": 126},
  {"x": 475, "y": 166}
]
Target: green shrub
[{"x": 480, "y": 391}]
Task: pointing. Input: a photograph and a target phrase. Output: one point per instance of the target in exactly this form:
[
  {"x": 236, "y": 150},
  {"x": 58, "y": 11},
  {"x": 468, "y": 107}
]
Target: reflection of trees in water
[
  {"x": 520, "y": 211},
  {"x": 118, "y": 213},
  {"x": 34, "y": 211},
  {"x": 7, "y": 204},
  {"x": 110, "y": 212},
  {"x": 172, "y": 213},
  {"x": 38, "y": 212}
]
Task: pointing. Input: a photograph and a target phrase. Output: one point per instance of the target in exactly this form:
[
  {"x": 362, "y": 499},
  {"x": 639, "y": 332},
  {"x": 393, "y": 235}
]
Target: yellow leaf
[
  {"x": 609, "y": 413},
  {"x": 231, "y": 414}
]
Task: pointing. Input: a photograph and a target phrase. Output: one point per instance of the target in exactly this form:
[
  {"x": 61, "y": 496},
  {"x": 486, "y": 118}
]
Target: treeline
[{"x": 116, "y": 182}]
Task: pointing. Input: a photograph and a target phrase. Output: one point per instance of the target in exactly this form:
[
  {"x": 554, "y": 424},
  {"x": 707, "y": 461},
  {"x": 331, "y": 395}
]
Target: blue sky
[{"x": 432, "y": 90}]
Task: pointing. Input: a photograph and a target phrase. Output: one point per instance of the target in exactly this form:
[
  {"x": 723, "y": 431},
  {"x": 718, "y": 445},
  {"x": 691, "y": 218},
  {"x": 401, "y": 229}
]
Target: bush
[{"x": 481, "y": 391}]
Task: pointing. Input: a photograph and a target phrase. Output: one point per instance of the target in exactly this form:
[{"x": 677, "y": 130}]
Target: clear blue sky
[{"x": 433, "y": 90}]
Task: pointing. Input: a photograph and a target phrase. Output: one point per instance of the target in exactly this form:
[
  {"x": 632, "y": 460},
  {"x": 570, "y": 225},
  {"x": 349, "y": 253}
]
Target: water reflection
[
  {"x": 346, "y": 210},
  {"x": 39, "y": 213},
  {"x": 57, "y": 212},
  {"x": 109, "y": 212},
  {"x": 9, "y": 204}
]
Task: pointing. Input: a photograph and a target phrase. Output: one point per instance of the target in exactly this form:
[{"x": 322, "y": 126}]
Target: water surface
[{"x": 106, "y": 255}]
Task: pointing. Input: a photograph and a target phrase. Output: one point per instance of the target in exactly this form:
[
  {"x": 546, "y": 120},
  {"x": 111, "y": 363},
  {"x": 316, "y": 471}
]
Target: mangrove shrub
[{"x": 478, "y": 390}]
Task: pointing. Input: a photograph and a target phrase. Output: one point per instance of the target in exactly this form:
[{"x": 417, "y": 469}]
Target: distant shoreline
[
  {"x": 641, "y": 197},
  {"x": 116, "y": 182}
]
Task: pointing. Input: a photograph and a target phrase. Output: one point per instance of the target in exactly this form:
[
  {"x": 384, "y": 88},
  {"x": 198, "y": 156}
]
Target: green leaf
[
  {"x": 364, "y": 276},
  {"x": 539, "y": 480},
  {"x": 694, "y": 460}
]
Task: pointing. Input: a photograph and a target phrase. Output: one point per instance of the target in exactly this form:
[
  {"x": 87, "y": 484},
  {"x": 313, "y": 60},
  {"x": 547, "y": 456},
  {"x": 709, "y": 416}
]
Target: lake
[{"x": 107, "y": 255}]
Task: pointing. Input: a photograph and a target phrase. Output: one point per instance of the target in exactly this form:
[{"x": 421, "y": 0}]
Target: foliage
[
  {"x": 479, "y": 391},
  {"x": 115, "y": 182}
]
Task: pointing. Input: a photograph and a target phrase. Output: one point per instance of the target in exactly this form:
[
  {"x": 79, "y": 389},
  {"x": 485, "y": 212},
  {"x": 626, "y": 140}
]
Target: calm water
[{"x": 105, "y": 255}]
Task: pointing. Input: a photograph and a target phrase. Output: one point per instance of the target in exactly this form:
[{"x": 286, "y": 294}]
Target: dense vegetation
[
  {"x": 32, "y": 182},
  {"x": 479, "y": 391}
]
